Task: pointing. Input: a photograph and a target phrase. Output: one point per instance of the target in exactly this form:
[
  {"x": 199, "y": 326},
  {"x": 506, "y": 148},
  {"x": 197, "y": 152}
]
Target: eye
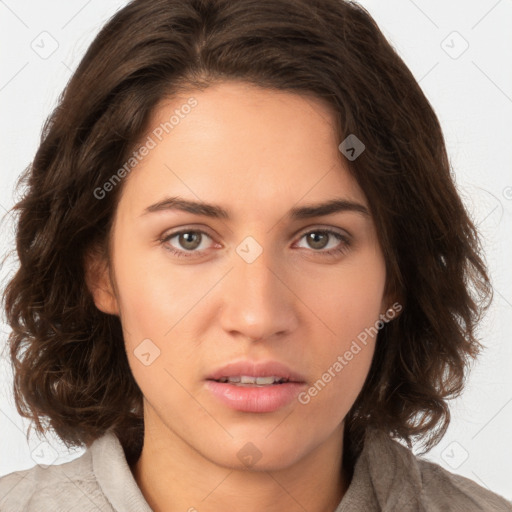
[
  {"x": 319, "y": 240},
  {"x": 187, "y": 242},
  {"x": 193, "y": 242}
]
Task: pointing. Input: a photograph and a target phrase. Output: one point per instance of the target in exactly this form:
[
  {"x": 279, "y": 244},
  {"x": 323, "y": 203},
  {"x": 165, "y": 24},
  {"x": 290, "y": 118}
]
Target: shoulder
[
  {"x": 71, "y": 486},
  {"x": 440, "y": 487},
  {"x": 413, "y": 483}
]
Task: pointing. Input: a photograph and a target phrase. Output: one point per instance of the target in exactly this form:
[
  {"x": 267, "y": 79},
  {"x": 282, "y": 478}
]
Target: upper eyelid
[
  {"x": 185, "y": 230},
  {"x": 301, "y": 231}
]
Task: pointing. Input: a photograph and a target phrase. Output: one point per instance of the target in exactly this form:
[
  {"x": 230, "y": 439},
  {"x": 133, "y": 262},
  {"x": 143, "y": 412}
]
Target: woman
[{"x": 245, "y": 272}]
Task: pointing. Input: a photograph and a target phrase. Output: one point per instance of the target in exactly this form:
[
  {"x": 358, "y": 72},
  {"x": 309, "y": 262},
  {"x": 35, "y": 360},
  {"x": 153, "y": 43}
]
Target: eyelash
[{"x": 342, "y": 249}]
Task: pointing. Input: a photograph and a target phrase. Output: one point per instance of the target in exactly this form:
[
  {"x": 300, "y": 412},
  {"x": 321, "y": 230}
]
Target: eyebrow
[{"x": 297, "y": 213}]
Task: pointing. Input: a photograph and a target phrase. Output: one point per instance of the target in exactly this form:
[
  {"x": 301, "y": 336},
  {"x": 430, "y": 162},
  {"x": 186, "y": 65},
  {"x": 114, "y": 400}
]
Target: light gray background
[{"x": 471, "y": 91}]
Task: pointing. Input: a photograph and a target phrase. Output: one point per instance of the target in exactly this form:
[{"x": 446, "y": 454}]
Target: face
[{"x": 262, "y": 279}]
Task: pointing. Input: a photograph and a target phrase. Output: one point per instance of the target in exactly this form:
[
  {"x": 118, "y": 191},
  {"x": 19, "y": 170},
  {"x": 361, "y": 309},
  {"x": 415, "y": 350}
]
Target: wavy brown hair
[{"x": 71, "y": 373}]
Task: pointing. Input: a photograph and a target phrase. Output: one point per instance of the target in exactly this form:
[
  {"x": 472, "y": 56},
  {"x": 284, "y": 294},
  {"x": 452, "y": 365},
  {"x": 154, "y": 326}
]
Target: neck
[{"x": 173, "y": 477}]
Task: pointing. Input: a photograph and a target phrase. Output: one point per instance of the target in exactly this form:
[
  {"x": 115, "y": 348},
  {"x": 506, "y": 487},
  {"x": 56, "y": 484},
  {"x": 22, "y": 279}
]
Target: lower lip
[{"x": 254, "y": 398}]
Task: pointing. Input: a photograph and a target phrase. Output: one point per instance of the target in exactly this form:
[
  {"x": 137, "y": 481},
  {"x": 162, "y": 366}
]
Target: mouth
[
  {"x": 248, "y": 381},
  {"x": 249, "y": 386},
  {"x": 255, "y": 373}
]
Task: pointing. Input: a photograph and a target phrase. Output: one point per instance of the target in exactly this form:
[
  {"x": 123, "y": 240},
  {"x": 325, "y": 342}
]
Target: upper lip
[{"x": 256, "y": 369}]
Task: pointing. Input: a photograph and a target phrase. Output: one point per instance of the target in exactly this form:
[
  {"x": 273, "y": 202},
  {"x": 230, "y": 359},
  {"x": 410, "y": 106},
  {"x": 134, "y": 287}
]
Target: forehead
[{"x": 251, "y": 148}]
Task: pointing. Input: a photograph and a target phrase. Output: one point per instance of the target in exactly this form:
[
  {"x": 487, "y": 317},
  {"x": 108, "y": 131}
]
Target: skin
[{"x": 257, "y": 153}]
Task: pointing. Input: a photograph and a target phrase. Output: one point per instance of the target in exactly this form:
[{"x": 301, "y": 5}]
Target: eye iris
[
  {"x": 315, "y": 237},
  {"x": 190, "y": 240}
]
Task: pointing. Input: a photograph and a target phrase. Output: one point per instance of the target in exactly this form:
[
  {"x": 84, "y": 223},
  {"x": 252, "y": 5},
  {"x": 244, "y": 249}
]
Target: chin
[{"x": 257, "y": 453}]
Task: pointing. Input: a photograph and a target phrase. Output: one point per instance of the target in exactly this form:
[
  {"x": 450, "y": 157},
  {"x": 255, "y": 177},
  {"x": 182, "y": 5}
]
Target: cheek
[
  {"x": 349, "y": 299},
  {"x": 151, "y": 296},
  {"x": 349, "y": 303},
  {"x": 341, "y": 364},
  {"x": 154, "y": 302}
]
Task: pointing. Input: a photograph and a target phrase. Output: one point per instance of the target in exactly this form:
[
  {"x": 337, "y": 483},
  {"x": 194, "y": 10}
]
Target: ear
[
  {"x": 97, "y": 278},
  {"x": 392, "y": 303},
  {"x": 391, "y": 307}
]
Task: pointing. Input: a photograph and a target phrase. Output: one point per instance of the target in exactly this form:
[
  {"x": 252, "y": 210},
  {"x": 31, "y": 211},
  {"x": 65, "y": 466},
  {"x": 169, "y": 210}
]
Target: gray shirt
[{"x": 387, "y": 477}]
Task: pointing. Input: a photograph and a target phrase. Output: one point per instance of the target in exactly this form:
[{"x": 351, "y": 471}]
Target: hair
[{"x": 71, "y": 372}]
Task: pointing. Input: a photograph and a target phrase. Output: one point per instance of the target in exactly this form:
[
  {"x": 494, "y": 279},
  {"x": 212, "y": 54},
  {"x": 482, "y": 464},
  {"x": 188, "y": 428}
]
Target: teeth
[{"x": 258, "y": 381}]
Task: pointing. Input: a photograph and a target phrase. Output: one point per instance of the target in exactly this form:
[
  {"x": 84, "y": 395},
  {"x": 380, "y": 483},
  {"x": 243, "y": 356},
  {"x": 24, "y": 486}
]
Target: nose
[{"x": 258, "y": 303}]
